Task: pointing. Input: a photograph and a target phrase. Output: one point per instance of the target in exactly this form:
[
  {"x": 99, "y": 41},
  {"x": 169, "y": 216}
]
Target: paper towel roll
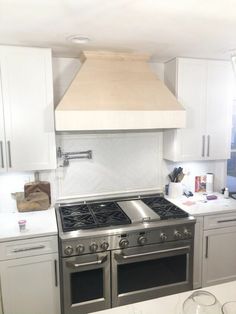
[{"x": 209, "y": 182}]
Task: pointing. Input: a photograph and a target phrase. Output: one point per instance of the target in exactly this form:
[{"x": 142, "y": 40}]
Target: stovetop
[
  {"x": 112, "y": 213},
  {"x": 94, "y": 215}
]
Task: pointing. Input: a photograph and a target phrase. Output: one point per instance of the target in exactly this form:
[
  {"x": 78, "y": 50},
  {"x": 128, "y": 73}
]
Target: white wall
[{"x": 121, "y": 161}]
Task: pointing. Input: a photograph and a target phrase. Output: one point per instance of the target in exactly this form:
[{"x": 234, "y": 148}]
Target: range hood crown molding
[{"x": 117, "y": 91}]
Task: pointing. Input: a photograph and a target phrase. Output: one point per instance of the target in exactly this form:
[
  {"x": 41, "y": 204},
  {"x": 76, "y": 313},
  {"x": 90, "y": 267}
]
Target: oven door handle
[
  {"x": 126, "y": 257},
  {"x": 77, "y": 265}
]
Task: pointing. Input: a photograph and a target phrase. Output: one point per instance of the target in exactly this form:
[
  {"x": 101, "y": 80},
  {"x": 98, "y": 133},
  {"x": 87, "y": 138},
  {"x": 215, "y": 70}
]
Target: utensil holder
[{"x": 175, "y": 189}]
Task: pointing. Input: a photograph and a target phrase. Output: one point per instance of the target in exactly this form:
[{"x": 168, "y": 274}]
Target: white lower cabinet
[
  {"x": 30, "y": 285},
  {"x": 219, "y": 249},
  {"x": 197, "y": 262}
]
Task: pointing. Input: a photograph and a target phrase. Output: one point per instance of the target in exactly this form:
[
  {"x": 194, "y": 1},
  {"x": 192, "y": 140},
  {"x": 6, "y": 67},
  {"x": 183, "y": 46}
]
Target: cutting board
[{"x": 32, "y": 187}]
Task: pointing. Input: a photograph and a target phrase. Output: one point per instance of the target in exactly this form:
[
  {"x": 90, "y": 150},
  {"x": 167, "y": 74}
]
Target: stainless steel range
[{"x": 119, "y": 251}]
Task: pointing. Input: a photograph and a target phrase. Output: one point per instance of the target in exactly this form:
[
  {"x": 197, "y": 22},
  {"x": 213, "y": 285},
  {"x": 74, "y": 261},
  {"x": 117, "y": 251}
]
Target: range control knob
[
  {"x": 124, "y": 243},
  {"x": 80, "y": 248},
  {"x": 104, "y": 246},
  {"x": 163, "y": 237},
  {"x": 177, "y": 235},
  {"x": 142, "y": 240},
  {"x": 93, "y": 247},
  {"x": 68, "y": 250},
  {"x": 187, "y": 234}
]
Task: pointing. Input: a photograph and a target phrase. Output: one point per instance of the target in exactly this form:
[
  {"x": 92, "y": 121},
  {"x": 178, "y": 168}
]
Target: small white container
[
  {"x": 226, "y": 193},
  {"x": 209, "y": 183},
  {"x": 175, "y": 189}
]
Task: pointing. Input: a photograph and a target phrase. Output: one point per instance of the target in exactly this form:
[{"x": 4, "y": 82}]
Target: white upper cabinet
[
  {"x": 204, "y": 87},
  {"x": 27, "y": 107}
]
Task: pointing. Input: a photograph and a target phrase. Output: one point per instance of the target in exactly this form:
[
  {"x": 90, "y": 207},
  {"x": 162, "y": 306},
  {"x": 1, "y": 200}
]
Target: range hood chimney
[{"x": 117, "y": 91}]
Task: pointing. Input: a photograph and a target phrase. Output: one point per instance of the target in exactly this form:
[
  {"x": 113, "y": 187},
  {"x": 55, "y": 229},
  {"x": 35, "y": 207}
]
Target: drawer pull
[
  {"x": 206, "y": 254},
  {"x": 38, "y": 247},
  {"x": 55, "y": 269},
  {"x": 2, "y": 159},
  {"x": 226, "y": 220},
  {"x": 203, "y": 145},
  {"x": 9, "y": 154}
]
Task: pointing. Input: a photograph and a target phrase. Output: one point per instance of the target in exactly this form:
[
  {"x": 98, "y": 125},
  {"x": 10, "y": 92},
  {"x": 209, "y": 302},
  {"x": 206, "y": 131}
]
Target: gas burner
[
  {"x": 102, "y": 207},
  {"x": 111, "y": 218},
  {"x": 164, "y": 208},
  {"x": 92, "y": 215},
  {"x": 74, "y": 210},
  {"x": 74, "y": 222}
]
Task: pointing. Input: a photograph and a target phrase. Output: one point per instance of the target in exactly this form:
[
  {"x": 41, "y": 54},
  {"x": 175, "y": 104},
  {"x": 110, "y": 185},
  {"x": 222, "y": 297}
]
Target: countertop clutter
[
  {"x": 198, "y": 205},
  {"x": 173, "y": 304},
  {"x": 38, "y": 223}
]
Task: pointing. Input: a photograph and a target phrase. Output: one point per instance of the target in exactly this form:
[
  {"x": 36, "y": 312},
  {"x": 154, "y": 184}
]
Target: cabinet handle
[
  {"x": 226, "y": 220},
  {"x": 28, "y": 248},
  {"x": 55, "y": 269},
  {"x": 203, "y": 145},
  {"x": 2, "y": 159},
  {"x": 9, "y": 153},
  {"x": 208, "y": 145},
  {"x": 206, "y": 254}
]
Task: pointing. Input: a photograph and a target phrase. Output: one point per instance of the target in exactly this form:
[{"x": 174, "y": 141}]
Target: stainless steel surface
[
  {"x": 88, "y": 263},
  {"x": 67, "y": 156},
  {"x": 9, "y": 153},
  {"x": 207, "y": 248},
  {"x": 226, "y": 220},
  {"x": 1, "y": 151},
  {"x": 97, "y": 262},
  {"x": 38, "y": 247},
  {"x": 147, "y": 253},
  {"x": 208, "y": 145},
  {"x": 122, "y": 256},
  {"x": 146, "y": 238},
  {"x": 138, "y": 212},
  {"x": 55, "y": 271},
  {"x": 203, "y": 145}
]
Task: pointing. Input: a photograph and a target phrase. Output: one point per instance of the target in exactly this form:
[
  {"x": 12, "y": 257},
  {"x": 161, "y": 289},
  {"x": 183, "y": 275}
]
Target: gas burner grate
[
  {"x": 84, "y": 221},
  {"x": 92, "y": 215},
  {"x": 164, "y": 208},
  {"x": 112, "y": 218}
]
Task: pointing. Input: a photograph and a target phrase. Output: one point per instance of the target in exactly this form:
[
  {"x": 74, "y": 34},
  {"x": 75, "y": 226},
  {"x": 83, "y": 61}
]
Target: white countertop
[
  {"x": 173, "y": 304},
  {"x": 201, "y": 208},
  {"x": 38, "y": 223}
]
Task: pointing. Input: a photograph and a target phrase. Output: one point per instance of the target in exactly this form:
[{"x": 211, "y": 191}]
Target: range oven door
[
  {"x": 148, "y": 272},
  {"x": 86, "y": 283}
]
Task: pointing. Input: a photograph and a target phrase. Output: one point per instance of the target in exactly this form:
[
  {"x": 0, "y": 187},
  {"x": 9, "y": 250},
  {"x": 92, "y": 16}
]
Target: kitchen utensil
[
  {"x": 229, "y": 307},
  {"x": 201, "y": 302},
  {"x": 37, "y": 185}
]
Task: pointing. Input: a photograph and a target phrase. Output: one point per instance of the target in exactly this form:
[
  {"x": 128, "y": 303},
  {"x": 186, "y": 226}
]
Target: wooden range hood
[{"x": 117, "y": 91}]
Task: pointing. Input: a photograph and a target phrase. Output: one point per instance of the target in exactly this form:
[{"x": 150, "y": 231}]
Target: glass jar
[{"x": 201, "y": 302}]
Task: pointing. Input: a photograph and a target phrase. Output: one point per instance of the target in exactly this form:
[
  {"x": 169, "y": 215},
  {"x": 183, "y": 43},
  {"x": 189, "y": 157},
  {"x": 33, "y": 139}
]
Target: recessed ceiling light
[{"x": 78, "y": 39}]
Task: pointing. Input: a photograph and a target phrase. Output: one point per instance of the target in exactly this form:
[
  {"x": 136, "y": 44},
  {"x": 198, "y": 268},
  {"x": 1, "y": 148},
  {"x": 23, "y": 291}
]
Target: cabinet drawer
[
  {"x": 29, "y": 247},
  {"x": 219, "y": 221}
]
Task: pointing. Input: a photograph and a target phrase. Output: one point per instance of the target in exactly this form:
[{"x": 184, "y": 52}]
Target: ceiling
[{"x": 163, "y": 28}]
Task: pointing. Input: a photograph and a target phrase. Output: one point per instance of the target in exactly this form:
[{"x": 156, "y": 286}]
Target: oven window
[
  {"x": 152, "y": 273},
  {"x": 86, "y": 285}
]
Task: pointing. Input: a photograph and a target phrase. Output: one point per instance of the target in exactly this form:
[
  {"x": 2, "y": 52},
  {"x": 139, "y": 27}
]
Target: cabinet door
[
  {"x": 219, "y": 109},
  {"x": 197, "y": 262},
  {"x": 188, "y": 144},
  {"x": 26, "y": 75},
  {"x": 219, "y": 260},
  {"x": 2, "y": 135},
  {"x": 191, "y": 94},
  {"x": 30, "y": 285}
]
